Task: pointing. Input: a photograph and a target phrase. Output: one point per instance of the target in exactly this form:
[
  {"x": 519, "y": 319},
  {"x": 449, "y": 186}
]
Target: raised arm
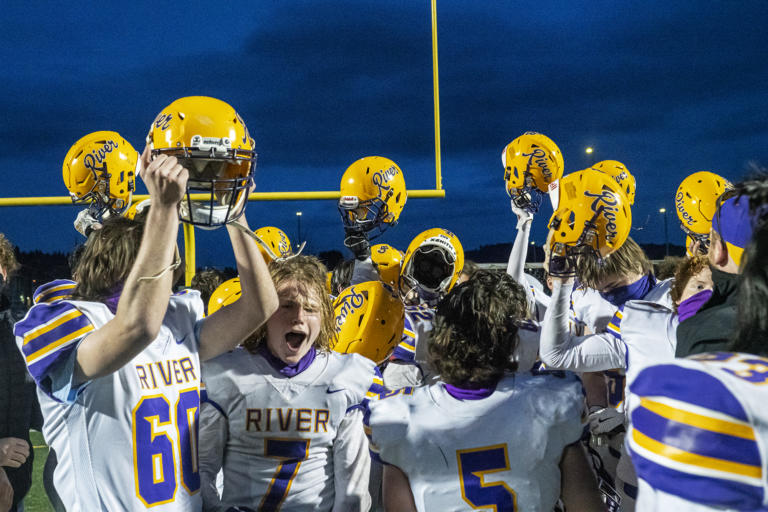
[
  {"x": 560, "y": 350},
  {"x": 143, "y": 302},
  {"x": 229, "y": 326}
]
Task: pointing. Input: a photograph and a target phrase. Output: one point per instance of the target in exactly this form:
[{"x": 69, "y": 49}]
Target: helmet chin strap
[{"x": 265, "y": 246}]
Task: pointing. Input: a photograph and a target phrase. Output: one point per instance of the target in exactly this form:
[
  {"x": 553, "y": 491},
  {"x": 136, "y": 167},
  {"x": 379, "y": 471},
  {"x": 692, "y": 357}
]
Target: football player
[
  {"x": 480, "y": 436},
  {"x": 430, "y": 268},
  {"x": 117, "y": 365},
  {"x": 282, "y": 413},
  {"x": 698, "y": 438}
]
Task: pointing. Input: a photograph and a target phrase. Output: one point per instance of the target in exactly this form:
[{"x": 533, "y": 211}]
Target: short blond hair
[{"x": 628, "y": 259}]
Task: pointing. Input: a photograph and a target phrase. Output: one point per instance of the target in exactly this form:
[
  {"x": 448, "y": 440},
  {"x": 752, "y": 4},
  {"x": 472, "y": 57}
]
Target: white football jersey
[
  {"x": 699, "y": 436},
  {"x": 416, "y": 331},
  {"x": 501, "y": 452},
  {"x": 590, "y": 309},
  {"x": 126, "y": 441},
  {"x": 293, "y": 443}
]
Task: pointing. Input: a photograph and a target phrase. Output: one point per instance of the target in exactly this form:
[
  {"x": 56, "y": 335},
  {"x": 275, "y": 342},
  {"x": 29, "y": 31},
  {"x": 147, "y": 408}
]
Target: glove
[
  {"x": 85, "y": 222},
  {"x": 357, "y": 241},
  {"x": 522, "y": 214},
  {"x": 605, "y": 420}
]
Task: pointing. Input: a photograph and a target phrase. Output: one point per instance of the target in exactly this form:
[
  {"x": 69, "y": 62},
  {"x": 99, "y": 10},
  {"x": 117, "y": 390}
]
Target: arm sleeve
[
  {"x": 212, "y": 442},
  {"x": 516, "y": 263},
  {"x": 560, "y": 350},
  {"x": 351, "y": 464},
  {"x": 364, "y": 271}
]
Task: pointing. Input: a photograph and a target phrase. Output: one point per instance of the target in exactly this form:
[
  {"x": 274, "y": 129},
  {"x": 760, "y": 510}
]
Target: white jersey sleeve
[
  {"x": 502, "y": 451},
  {"x": 559, "y": 349},
  {"x": 590, "y": 309},
  {"x": 351, "y": 462},
  {"x": 417, "y": 328},
  {"x": 363, "y": 271},
  {"x": 699, "y": 436},
  {"x": 128, "y": 440}
]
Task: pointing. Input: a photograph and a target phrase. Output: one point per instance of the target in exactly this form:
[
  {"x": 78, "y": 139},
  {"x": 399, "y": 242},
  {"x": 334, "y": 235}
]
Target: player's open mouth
[{"x": 295, "y": 339}]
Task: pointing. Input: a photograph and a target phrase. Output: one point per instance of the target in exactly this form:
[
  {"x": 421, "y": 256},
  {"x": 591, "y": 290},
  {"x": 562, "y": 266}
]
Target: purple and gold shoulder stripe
[
  {"x": 614, "y": 326},
  {"x": 48, "y": 332},
  {"x": 691, "y": 437},
  {"x": 59, "y": 289}
]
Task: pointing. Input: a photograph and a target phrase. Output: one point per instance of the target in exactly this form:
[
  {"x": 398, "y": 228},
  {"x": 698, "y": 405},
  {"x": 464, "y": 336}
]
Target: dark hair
[
  {"x": 751, "y": 334},
  {"x": 206, "y": 281},
  {"x": 476, "y": 330},
  {"x": 107, "y": 258},
  {"x": 667, "y": 267},
  {"x": 341, "y": 277}
]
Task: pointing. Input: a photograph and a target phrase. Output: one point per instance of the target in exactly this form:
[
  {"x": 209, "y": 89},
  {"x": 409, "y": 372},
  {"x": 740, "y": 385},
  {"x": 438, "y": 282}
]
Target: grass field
[{"x": 36, "y": 500}]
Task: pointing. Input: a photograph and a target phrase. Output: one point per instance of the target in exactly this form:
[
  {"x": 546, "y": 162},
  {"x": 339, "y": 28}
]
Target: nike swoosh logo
[{"x": 330, "y": 391}]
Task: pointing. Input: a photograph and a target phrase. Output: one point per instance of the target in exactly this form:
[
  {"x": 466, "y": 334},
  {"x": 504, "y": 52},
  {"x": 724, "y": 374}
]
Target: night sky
[{"x": 668, "y": 88}]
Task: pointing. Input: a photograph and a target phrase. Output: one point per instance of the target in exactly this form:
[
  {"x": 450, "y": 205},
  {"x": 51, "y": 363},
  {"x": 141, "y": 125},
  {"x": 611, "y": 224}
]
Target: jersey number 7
[
  {"x": 290, "y": 452},
  {"x": 474, "y": 464}
]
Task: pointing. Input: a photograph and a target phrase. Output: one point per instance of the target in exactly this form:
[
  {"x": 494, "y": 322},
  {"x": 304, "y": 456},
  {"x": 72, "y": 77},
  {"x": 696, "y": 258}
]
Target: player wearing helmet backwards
[
  {"x": 118, "y": 365},
  {"x": 482, "y": 437},
  {"x": 282, "y": 414},
  {"x": 430, "y": 268}
]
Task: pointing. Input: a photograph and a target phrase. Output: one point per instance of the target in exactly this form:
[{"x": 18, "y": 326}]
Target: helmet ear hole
[{"x": 571, "y": 219}]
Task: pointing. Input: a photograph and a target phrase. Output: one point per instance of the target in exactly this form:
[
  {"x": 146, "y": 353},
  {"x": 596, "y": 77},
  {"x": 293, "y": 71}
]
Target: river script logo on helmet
[
  {"x": 273, "y": 243},
  {"x": 211, "y": 141},
  {"x": 373, "y": 195},
  {"x": 621, "y": 174},
  {"x": 431, "y": 265},
  {"x": 593, "y": 218},
  {"x": 369, "y": 321},
  {"x": 531, "y": 162},
  {"x": 100, "y": 170},
  {"x": 696, "y": 203}
]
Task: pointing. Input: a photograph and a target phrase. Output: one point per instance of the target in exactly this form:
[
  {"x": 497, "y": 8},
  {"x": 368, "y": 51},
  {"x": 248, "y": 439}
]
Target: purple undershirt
[
  {"x": 468, "y": 394},
  {"x": 289, "y": 370}
]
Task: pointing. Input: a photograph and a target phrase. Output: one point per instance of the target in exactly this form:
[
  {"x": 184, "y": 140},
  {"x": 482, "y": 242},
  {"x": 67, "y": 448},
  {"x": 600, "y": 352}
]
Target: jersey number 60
[{"x": 154, "y": 450}]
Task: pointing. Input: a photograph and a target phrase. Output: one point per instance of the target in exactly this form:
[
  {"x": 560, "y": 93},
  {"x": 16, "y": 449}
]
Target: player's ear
[{"x": 718, "y": 252}]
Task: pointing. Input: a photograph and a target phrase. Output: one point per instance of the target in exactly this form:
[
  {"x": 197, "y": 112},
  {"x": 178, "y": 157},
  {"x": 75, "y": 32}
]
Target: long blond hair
[{"x": 310, "y": 274}]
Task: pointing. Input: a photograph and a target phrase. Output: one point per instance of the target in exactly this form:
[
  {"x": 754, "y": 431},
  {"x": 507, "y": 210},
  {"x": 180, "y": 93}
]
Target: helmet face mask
[{"x": 210, "y": 140}]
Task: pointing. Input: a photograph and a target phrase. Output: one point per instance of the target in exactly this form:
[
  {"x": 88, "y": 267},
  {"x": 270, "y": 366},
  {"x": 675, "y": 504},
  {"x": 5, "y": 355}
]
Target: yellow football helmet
[
  {"x": 369, "y": 321},
  {"x": 388, "y": 261},
  {"x": 621, "y": 174},
  {"x": 100, "y": 169},
  {"x": 593, "y": 217},
  {"x": 211, "y": 141},
  {"x": 431, "y": 265},
  {"x": 372, "y": 195},
  {"x": 696, "y": 202},
  {"x": 227, "y": 293},
  {"x": 274, "y": 243},
  {"x": 531, "y": 162}
]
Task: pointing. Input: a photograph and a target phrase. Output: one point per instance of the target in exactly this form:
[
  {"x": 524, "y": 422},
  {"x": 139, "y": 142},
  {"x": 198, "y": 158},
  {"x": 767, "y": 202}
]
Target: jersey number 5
[
  {"x": 474, "y": 464},
  {"x": 154, "y": 450}
]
